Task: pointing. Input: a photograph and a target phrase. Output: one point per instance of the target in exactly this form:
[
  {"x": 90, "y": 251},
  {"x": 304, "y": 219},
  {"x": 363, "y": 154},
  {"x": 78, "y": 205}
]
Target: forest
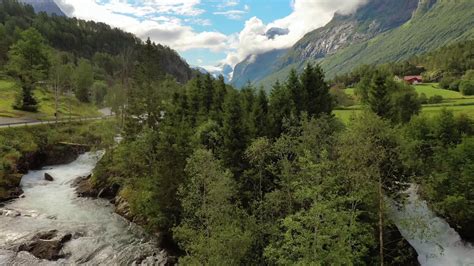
[{"x": 242, "y": 177}]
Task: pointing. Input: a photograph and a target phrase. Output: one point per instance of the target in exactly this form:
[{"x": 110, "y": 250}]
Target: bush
[
  {"x": 450, "y": 83},
  {"x": 423, "y": 99},
  {"x": 435, "y": 99},
  {"x": 467, "y": 87}
]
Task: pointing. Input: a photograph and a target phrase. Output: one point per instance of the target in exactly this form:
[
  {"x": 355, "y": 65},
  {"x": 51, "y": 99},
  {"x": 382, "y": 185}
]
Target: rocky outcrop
[
  {"x": 46, "y": 245},
  {"x": 10, "y": 187},
  {"x": 84, "y": 188}
]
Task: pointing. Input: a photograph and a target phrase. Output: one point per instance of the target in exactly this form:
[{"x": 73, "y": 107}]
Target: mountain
[
  {"x": 48, "y": 6},
  {"x": 255, "y": 68},
  {"x": 379, "y": 31},
  {"x": 222, "y": 69}
]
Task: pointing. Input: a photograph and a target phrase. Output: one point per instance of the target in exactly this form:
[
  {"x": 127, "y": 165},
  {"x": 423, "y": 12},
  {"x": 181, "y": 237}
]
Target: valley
[{"x": 238, "y": 132}]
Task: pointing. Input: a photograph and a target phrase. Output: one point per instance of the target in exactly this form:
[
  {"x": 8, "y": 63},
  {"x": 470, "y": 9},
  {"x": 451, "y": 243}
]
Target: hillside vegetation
[{"x": 68, "y": 105}]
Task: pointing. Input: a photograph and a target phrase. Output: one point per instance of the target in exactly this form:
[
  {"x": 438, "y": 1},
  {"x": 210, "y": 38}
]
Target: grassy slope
[
  {"x": 453, "y": 100},
  {"x": 9, "y": 90}
]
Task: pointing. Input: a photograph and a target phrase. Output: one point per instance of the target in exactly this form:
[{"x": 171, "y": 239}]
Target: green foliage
[
  {"x": 83, "y": 80},
  {"x": 214, "y": 230},
  {"x": 28, "y": 61},
  {"x": 435, "y": 99},
  {"x": 99, "y": 91},
  {"x": 450, "y": 187},
  {"x": 387, "y": 98},
  {"x": 467, "y": 87}
]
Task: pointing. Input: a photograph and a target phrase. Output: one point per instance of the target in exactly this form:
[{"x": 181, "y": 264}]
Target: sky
[{"x": 211, "y": 33}]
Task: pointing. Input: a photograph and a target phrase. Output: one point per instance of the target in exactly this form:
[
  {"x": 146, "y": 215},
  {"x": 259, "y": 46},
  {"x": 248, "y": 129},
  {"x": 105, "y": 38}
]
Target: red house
[{"x": 413, "y": 79}]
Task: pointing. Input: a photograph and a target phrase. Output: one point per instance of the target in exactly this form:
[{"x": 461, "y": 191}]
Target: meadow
[
  {"x": 68, "y": 105},
  {"x": 452, "y": 100}
]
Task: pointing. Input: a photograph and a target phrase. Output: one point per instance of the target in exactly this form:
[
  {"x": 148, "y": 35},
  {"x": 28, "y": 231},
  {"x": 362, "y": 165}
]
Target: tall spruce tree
[
  {"x": 316, "y": 97},
  {"x": 379, "y": 95}
]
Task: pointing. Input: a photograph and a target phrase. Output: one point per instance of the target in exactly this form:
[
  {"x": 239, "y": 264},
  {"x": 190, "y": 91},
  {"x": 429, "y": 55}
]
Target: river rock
[
  {"x": 10, "y": 187},
  {"x": 48, "y": 177},
  {"x": 10, "y": 213},
  {"x": 122, "y": 208},
  {"x": 84, "y": 188},
  {"x": 109, "y": 192},
  {"x": 46, "y": 245}
]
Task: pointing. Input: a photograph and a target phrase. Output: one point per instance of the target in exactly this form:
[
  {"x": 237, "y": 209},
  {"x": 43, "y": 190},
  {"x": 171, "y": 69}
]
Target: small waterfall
[{"x": 433, "y": 239}]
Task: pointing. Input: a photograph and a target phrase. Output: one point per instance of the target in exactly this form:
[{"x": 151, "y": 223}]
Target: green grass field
[
  {"x": 9, "y": 90},
  {"x": 453, "y": 101}
]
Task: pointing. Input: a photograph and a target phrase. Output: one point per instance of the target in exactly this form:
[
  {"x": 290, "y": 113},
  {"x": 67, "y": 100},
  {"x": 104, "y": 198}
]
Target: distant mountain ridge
[
  {"x": 372, "y": 34},
  {"x": 48, "y": 6}
]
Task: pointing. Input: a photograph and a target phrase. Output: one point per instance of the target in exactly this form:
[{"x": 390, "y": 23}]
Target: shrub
[
  {"x": 423, "y": 99},
  {"x": 435, "y": 99},
  {"x": 467, "y": 87}
]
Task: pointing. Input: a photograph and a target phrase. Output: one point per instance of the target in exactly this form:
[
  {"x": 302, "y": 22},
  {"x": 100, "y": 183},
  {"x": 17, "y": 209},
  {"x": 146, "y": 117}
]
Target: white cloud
[
  {"x": 228, "y": 3},
  {"x": 150, "y": 7},
  {"x": 231, "y": 14},
  {"x": 307, "y": 15},
  {"x": 166, "y": 30}
]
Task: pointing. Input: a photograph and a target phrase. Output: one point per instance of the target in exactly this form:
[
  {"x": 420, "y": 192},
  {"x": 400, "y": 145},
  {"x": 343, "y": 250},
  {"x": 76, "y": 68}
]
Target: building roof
[{"x": 407, "y": 78}]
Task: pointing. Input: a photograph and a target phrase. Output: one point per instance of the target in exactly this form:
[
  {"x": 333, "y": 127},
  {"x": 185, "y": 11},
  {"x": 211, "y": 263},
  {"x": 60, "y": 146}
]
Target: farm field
[
  {"x": 9, "y": 90},
  {"x": 452, "y": 100}
]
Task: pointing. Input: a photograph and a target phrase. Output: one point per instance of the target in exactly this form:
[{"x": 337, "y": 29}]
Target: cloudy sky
[{"x": 209, "y": 32}]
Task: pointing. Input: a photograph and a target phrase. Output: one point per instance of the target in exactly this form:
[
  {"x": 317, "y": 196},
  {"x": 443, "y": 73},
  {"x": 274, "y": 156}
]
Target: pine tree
[
  {"x": 379, "y": 95},
  {"x": 280, "y": 108},
  {"x": 260, "y": 114},
  {"x": 234, "y": 132},
  {"x": 317, "y": 99},
  {"x": 207, "y": 96},
  {"x": 295, "y": 90}
]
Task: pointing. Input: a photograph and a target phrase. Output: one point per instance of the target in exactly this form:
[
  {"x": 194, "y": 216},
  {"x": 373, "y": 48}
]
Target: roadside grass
[{"x": 68, "y": 105}]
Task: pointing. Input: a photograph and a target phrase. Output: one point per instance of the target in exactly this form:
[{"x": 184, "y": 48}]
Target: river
[
  {"x": 436, "y": 243},
  {"x": 99, "y": 235}
]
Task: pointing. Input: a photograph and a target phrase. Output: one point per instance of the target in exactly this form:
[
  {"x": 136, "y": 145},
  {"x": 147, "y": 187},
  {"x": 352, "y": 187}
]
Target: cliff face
[
  {"x": 48, "y": 6},
  {"x": 375, "y": 17}
]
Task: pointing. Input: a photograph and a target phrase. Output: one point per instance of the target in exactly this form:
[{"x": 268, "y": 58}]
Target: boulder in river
[
  {"x": 46, "y": 245},
  {"x": 48, "y": 177}
]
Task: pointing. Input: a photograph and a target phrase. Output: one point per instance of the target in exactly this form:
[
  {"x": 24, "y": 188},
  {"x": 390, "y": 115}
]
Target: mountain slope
[
  {"x": 48, "y": 6},
  {"x": 256, "y": 67},
  {"x": 446, "y": 22},
  {"x": 381, "y": 31}
]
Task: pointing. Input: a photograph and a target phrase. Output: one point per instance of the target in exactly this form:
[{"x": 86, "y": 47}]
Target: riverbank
[
  {"x": 54, "y": 226},
  {"x": 29, "y": 148}
]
